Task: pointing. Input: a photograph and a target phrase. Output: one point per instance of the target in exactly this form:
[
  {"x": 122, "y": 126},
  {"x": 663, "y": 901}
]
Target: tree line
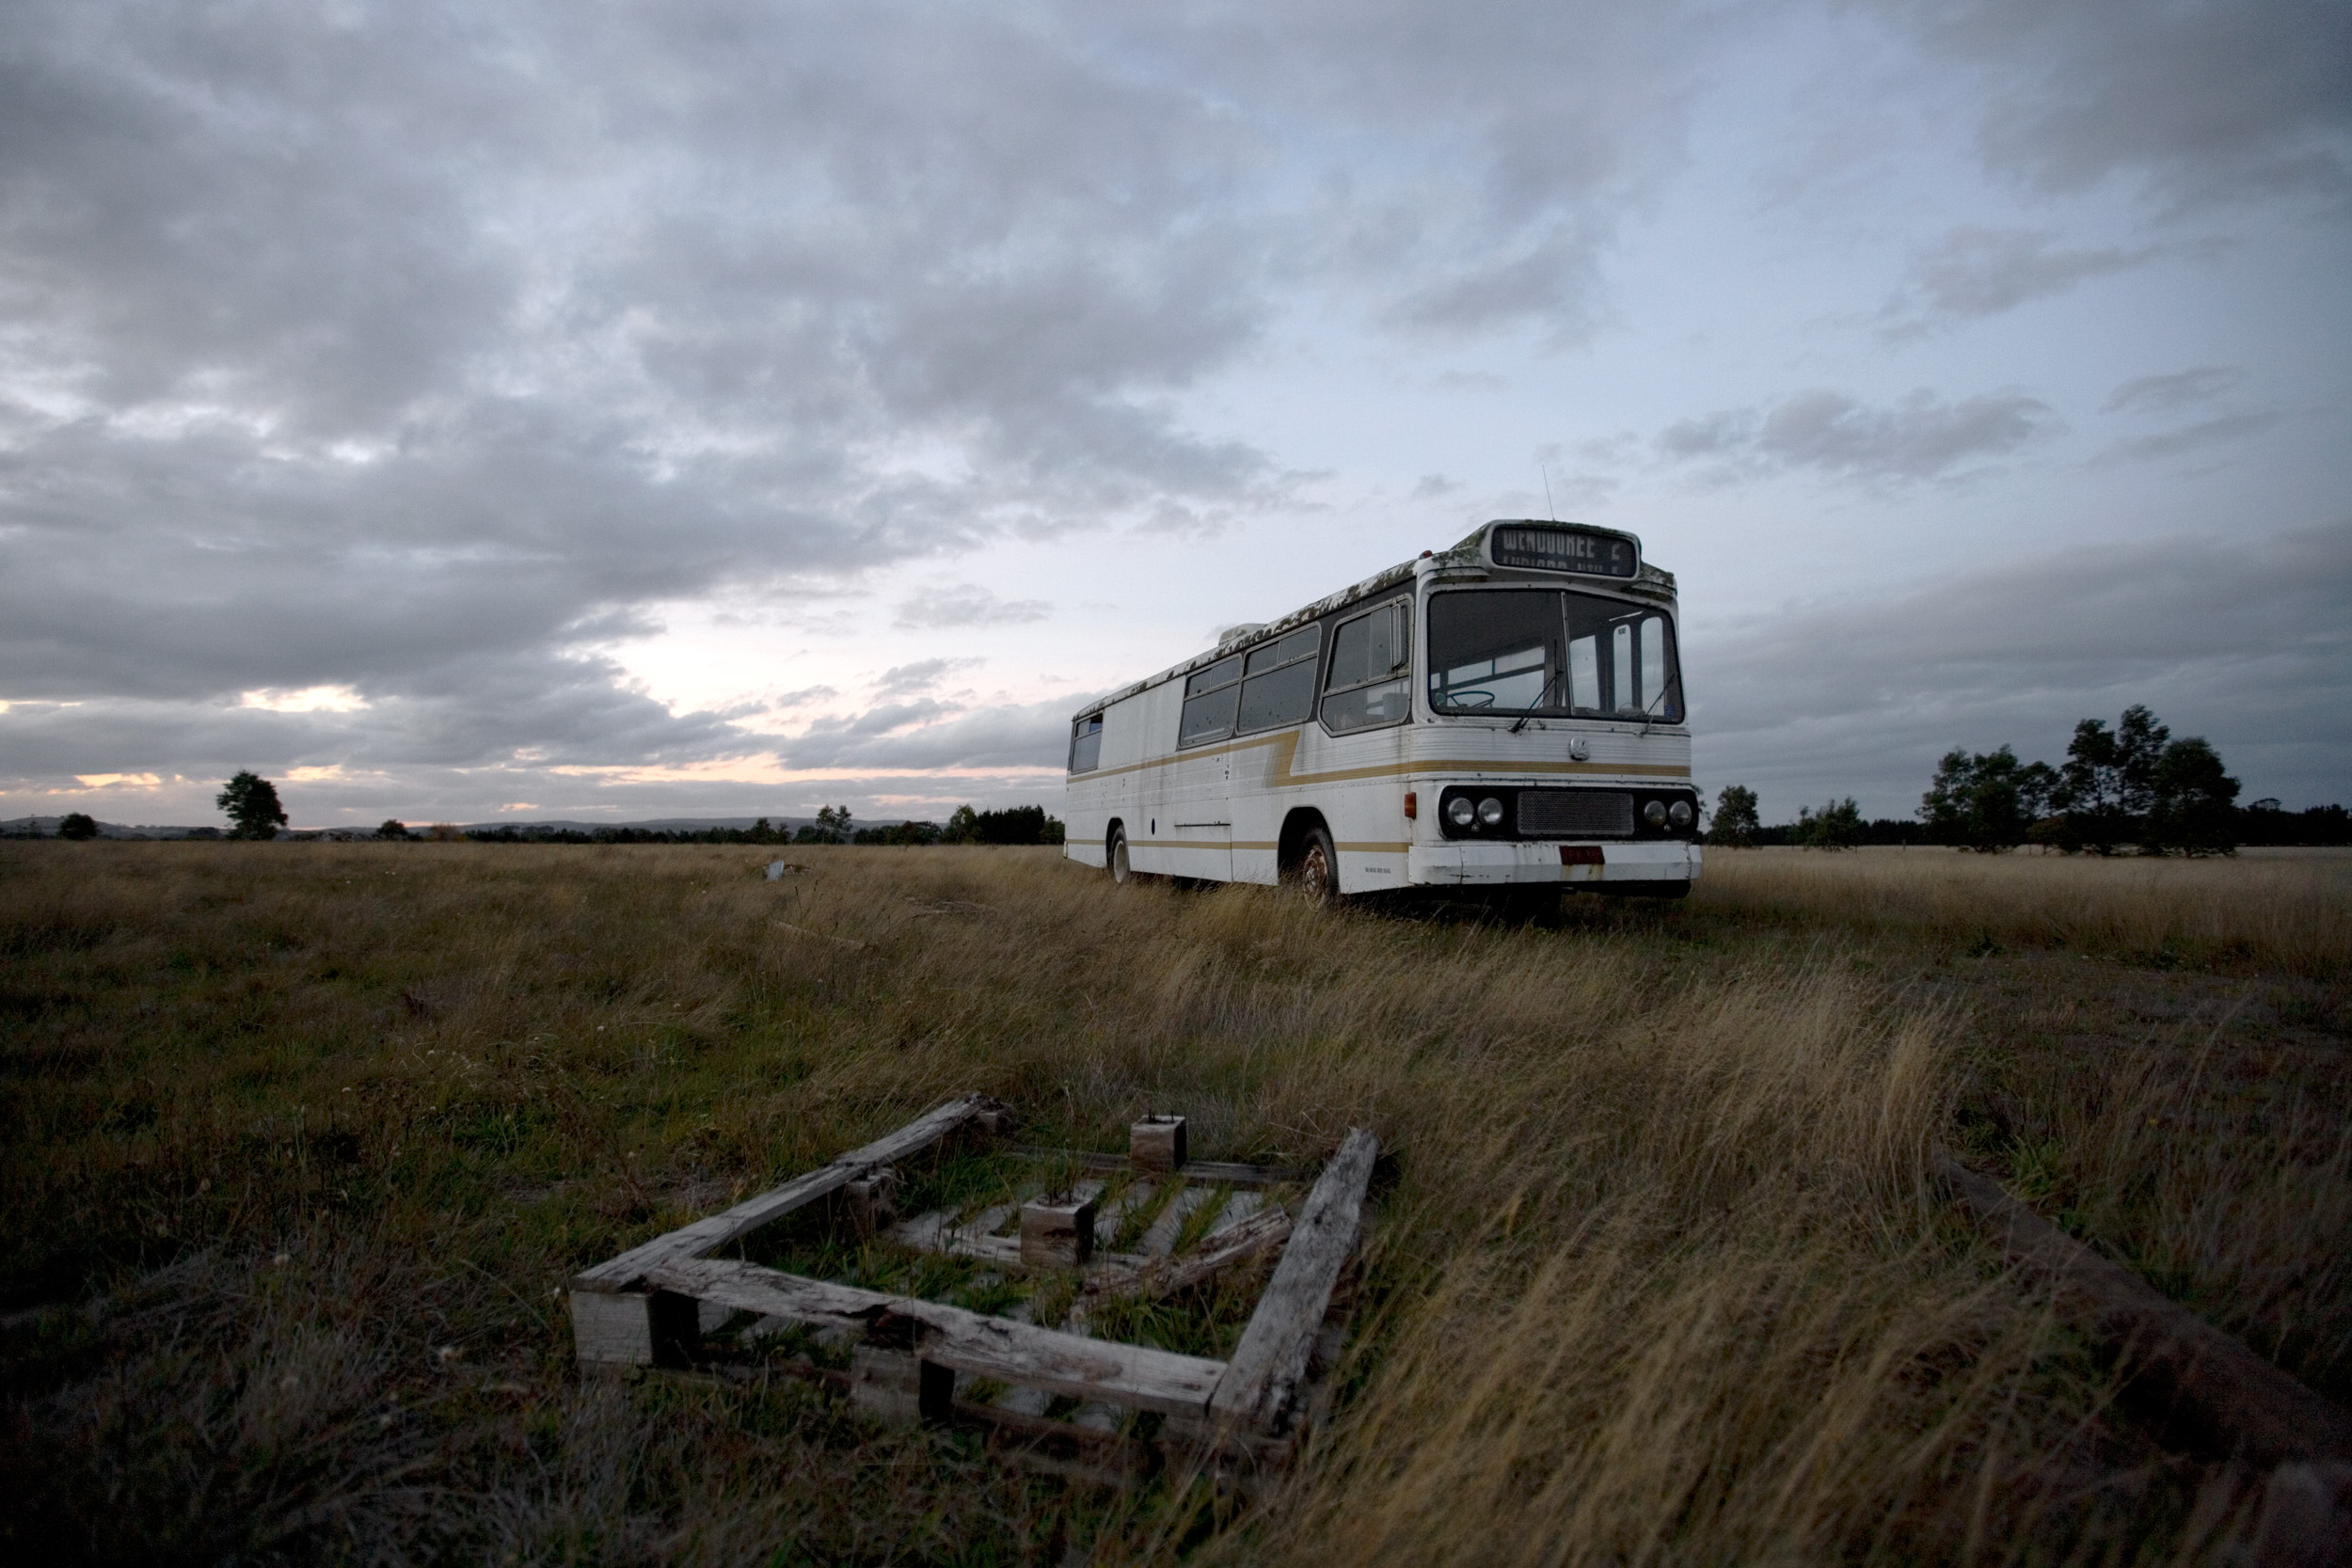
[
  {"x": 833, "y": 825},
  {"x": 2131, "y": 784},
  {"x": 254, "y": 812}
]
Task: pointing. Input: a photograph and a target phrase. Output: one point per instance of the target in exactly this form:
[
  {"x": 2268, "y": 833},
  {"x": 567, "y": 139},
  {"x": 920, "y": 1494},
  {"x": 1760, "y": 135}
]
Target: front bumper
[{"x": 1470, "y": 863}]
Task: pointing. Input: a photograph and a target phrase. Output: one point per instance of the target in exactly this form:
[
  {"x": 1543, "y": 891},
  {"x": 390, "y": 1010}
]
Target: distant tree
[
  {"x": 2268, "y": 822},
  {"x": 1015, "y": 825},
  {"x": 1836, "y": 825},
  {"x": 251, "y": 803},
  {"x": 1735, "y": 826},
  {"x": 963, "y": 826},
  {"x": 2193, "y": 804},
  {"x": 392, "y": 827},
  {"x": 77, "y": 825},
  {"x": 832, "y": 826},
  {"x": 905, "y": 834},
  {"x": 1986, "y": 800},
  {"x": 761, "y": 833},
  {"x": 2109, "y": 781}
]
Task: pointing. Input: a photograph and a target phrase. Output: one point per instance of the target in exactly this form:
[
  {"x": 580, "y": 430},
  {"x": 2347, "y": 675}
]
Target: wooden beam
[
  {"x": 2207, "y": 1389},
  {"x": 1130, "y": 1275},
  {"x": 633, "y": 1328},
  {"x": 1057, "y": 1234},
  {"x": 1157, "y": 1144},
  {"x": 705, "y": 1236},
  {"x": 1271, "y": 1360},
  {"x": 1208, "y": 1171},
  {"x": 1133, "y": 1375}
]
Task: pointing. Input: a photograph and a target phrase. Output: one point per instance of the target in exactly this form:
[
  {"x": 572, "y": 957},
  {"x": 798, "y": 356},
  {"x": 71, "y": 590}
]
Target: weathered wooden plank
[
  {"x": 1157, "y": 1144},
  {"x": 1271, "y": 1358},
  {"x": 1113, "y": 1214},
  {"x": 705, "y": 1236},
  {"x": 635, "y": 1328},
  {"x": 897, "y": 1386},
  {"x": 1161, "y": 1236},
  {"x": 1130, "y": 1275},
  {"x": 2208, "y": 1388},
  {"x": 1198, "y": 1170},
  {"x": 1057, "y": 1234},
  {"x": 924, "y": 1232},
  {"x": 987, "y": 1220},
  {"x": 1004, "y": 1251},
  {"x": 1023, "y": 1353},
  {"x": 1237, "y": 1209}
]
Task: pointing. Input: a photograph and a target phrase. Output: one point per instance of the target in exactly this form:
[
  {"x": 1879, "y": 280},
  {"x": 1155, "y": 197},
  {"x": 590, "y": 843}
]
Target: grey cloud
[
  {"x": 921, "y": 676},
  {"x": 1551, "y": 279},
  {"x": 473, "y": 715},
  {"x": 1513, "y": 138},
  {"x": 913, "y": 738},
  {"x": 1919, "y": 438},
  {"x": 1974, "y": 272},
  {"x": 2245, "y": 641},
  {"x": 396, "y": 352},
  {"x": 2221, "y": 430},
  {"x": 776, "y": 701},
  {"x": 2204, "y": 101},
  {"x": 967, "y": 606},
  {"x": 421, "y": 353},
  {"x": 2161, "y": 394}
]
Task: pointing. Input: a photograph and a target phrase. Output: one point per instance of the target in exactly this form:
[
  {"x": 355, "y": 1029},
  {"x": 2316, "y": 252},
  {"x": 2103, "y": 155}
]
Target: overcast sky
[{"x": 608, "y": 410}]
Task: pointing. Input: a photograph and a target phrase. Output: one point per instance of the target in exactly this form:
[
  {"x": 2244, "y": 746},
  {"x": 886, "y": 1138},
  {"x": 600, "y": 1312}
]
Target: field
[{"x": 302, "y": 1140}]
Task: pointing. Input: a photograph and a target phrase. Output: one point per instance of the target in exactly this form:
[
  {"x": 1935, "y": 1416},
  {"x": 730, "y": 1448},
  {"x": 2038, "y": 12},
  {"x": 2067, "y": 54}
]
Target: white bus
[{"x": 1507, "y": 713}]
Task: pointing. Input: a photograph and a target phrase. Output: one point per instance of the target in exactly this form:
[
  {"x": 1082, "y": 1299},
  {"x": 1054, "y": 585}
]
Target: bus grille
[{"x": 1576, "y": 813}]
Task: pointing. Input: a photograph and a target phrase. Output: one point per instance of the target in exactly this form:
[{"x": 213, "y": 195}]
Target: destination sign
[{"x": 1550, "y": 547}]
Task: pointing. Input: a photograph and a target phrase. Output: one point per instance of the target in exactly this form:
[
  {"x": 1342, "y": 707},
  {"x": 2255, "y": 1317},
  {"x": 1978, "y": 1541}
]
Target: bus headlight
[
  {"x": 1489, "y": 812},
  {"x": 1654, "y": 814},
  {"x": 1680, "y": 813},
  {"x": 1460, "y": 811}
]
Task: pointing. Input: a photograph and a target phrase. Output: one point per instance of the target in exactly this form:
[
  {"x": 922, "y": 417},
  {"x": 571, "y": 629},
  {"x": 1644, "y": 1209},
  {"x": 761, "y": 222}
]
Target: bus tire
[
  {"x": 1115, "y": 856},
  {"x": 1317, "y": 873}
]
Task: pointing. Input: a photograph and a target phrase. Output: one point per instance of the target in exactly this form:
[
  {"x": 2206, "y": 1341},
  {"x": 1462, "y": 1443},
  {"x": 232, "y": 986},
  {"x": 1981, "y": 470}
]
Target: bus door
[{"x": 1196, "y": 813}]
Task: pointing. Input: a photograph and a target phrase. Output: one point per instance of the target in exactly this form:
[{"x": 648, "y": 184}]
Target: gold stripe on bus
[
  {"x": 1373, "y": 849},
  {"x": 1287, "y": 756}
]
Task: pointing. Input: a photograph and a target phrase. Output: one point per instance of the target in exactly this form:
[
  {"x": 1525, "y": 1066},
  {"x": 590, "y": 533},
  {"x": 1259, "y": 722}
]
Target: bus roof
[{"x": 1648, "y": 582}]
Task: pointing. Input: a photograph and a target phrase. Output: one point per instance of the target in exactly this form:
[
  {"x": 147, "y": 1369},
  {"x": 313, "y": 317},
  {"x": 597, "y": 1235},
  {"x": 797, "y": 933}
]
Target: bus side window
[
  {"x": 1086, "y": 745},
  {"x": 1209, "y": 697},
  {"x": 1371, "y": 666},
  {"x": 1281, "y": 688}
]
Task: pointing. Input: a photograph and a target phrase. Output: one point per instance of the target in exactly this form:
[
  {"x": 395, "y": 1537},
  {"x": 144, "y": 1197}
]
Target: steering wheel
[{"x": 1462, "y": 699}]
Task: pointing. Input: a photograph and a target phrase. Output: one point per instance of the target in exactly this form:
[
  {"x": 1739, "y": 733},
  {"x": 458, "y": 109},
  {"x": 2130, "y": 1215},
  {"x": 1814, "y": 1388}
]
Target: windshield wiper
[
  {"x": 1646, "y": 719},
  {"x": 1550, "y": 682}
]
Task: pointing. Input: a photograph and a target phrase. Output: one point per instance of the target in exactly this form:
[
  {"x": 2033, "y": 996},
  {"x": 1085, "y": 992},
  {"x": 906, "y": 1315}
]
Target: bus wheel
[
  {"x": 1116, "y": 856},
  {"x": 1317, "y": 873}
]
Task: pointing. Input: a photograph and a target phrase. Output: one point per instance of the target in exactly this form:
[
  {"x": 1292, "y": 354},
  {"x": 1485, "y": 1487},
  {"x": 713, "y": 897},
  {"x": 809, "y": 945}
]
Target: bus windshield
[{"x": 1548, "y": 651}]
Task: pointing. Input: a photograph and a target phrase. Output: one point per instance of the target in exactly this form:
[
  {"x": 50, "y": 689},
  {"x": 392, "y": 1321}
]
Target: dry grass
[
  {"x": 1660, "y": 1280},
  {"x": 2272, "y": 913}
]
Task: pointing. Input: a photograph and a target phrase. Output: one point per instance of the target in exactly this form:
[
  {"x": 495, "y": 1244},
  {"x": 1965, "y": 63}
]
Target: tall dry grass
[
  {"x": 317, "y": 1129},
  {"x": 2282, "y": 912}
]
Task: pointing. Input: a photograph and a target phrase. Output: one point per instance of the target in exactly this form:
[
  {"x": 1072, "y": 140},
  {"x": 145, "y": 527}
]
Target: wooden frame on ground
[{"x": 917, "y": 1359}]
